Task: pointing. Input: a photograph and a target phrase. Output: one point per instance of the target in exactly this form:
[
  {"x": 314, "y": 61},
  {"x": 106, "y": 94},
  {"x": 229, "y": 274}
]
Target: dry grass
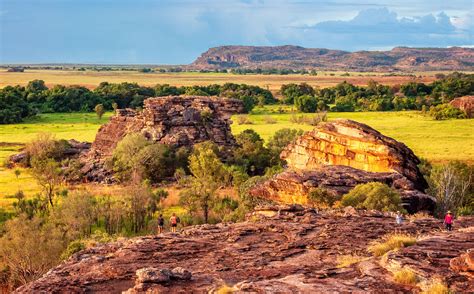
[
  {"x": 391, "y": 242},
  {"x": 224, "y": 290},
  {"x": 436, "y": 287},
  {"x": 347, "y": 260},
  {"x": 92, "y": 79},
  {"x": 405, "y": 276}
]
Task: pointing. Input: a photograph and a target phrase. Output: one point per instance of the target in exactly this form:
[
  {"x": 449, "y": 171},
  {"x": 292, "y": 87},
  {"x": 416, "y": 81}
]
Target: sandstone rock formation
[
  {"x": 338, "y": 156},
  {"x": 295, "y": 251},
  {"x": 464, "y": 264},
  {"x": 173, "y": 120},
  {"x": 466, "y": 104},
  {"x": 296, "y": 57}
]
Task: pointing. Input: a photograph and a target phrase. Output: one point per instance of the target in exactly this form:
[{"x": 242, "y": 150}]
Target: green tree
[
  {"x": 281, "y": 139},
  {"x": 306, "y": 103},
  {"x": 49, "y": 177},
  {"x": 373, "y": 195},
  {"x": 207, "y": 176},
  {"x": 99, "y": 110}
]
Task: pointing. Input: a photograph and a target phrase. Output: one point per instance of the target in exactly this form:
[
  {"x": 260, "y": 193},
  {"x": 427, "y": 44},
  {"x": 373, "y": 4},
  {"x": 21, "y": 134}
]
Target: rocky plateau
[{"x": 279, "y": 250}]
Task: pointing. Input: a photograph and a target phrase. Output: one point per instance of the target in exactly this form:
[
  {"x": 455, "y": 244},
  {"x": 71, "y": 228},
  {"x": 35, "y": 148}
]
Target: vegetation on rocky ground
[{"x": 390, "y": 242}]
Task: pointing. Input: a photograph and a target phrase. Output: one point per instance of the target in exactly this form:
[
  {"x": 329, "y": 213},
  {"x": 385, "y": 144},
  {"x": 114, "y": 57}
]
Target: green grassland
[{"x": 437, "y": 141}]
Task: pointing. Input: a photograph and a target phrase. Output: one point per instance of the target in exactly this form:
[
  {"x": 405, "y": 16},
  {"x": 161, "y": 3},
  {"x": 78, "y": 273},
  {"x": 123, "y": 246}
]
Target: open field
[
  {"x": 438, "y": 141},
  {"x": 91, "y": 79}
]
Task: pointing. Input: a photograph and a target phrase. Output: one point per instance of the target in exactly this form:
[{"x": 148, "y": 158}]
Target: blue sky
[{"x": 177, "y": 31}]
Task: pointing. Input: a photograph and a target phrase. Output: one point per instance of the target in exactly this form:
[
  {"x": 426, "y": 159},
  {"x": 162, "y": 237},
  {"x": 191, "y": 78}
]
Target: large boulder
[
  {"x": 173, "y": 120},
  {"x": 466, "y": 104},
  {"x": 338, "y": 156}
]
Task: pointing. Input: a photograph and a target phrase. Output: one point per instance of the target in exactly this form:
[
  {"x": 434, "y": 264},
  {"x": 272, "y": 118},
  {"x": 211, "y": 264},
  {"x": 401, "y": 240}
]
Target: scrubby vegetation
[
  {"x": 373, "y": 196},
  {"x": 405, "y": 276},
  {"x": 377, "y": 97},
  {"x": 390, "y": 242}
]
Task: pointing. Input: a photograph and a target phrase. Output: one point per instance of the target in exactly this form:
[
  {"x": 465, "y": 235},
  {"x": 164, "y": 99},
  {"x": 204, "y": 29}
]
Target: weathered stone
[
  {"x": 293, "y": 253},
  {"x": 172, "y": 120},
  {"x": 151, "y": 275},
  {"x": 349, "y": 143},
  {"x": 340, "y": 155},
  {"x": 464, "y": 263},
  {"x": 466, "y": 104}
]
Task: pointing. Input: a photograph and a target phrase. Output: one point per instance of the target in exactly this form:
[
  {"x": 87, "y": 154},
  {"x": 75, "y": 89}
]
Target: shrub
[
  {"x": 322, "y": 198},
  {"x": 269, "y": 120},
  {"x": 391, "y": 242},
  {"x": 347, "y": 260},
  {"x": 373, "y": 196},
  {"x": 405, "y": 276},
  {"x": 73, "y": 247},
  {"x": 446, "y": 111},
  {"x": 436, "y": 287},
  {"x": 244, "y": 120},
  {"x": 306, "y": 103}
]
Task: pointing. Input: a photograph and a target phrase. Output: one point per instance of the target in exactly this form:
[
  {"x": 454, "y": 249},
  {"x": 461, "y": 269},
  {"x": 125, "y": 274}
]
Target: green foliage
[
  {"x": 446, "y": 111},
  {"x": 281, "y": 139},
  {"x": 135, "y": 156},
  {"x": 251, "y": 153},
  {"x": 13, "y": 106},
  {"x": 208, "y": 175},
  {"x": 291, "y": 91},
  {"x": 373, "y": 196},
  {"x": 306, "y": 103},
  {"x": 452, "y": 184},
  {"x": 322, "y": 198},
  {"x": 99, "y": 110},
  {"x": 73, "y": 247}
]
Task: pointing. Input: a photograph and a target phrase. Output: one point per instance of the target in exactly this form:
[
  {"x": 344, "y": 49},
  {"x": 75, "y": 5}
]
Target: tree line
[
  {"x": 346, "y": 97},
  {"x": 18, "y": 102}
]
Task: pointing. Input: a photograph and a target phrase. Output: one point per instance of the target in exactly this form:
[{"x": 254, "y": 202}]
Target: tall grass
[{"x": 391, "y": 242}]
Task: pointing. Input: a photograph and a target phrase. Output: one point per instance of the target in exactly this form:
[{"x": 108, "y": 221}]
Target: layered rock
[
  {"x": 466, "y": 104},
  {"x": 296, "y": 251},
  {"x": 338, "y": 156},
  {"x": 172, "y": 120}
]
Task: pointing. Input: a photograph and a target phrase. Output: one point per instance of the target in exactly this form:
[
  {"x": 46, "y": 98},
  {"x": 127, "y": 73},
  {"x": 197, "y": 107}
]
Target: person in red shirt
[{"x": 448, "y": 221}]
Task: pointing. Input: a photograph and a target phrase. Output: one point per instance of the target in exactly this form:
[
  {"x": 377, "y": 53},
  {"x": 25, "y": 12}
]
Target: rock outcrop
[
  {"x": 296, "y": 57},
  {"x": 466, "y": 104},
  {"x": 338, "y": 156},
  {"x": 172, "y": 120},
  {"x": 295, "y": 251}
]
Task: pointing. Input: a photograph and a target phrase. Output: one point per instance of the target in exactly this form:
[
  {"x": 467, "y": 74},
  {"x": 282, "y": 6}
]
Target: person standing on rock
[
  {"x": 399, "y": 218},
  {"x": 448, "y": 221},
  {"x": 161, "y": 224},
  {"x": 173, "y": 222}
]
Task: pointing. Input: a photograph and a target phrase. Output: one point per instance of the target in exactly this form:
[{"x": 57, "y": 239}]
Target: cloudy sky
[{"x": 177, "y": 31}]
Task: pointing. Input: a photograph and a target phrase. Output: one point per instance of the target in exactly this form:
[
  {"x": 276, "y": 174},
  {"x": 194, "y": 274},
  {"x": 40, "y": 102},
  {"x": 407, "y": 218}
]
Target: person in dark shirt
[{"x": 161, "y": 224}]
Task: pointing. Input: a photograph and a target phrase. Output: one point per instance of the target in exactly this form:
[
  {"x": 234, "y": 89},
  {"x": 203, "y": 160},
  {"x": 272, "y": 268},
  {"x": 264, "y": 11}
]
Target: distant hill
[{"x": 295, "y": 57}]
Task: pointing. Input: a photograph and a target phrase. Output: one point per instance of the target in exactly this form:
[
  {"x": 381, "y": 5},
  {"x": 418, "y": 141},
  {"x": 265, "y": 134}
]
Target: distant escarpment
[
  {"x": 295, "y": 57},
  {"x": 174, "y": 120},
  {"x": 339, "y": 155}
]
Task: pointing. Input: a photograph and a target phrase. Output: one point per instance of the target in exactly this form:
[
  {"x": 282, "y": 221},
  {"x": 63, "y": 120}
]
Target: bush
[
  {"x": 405, "y": 276},
  {"x": 73, "y": 247},
  {"x": 391, "y": 242},
  {"x": 373, "y": 195},
  {"x": 306, "y": 103},
  {"x": 446, "y": 111},
  {"x": 269, "y": 120},
  {"x": 281, "y": 139},
  {"x": 436, "y": 287},
  {"x": 244, "y": 120},
  {"x": 347, "y": 260},
  {"x": 322, "y": 198}
]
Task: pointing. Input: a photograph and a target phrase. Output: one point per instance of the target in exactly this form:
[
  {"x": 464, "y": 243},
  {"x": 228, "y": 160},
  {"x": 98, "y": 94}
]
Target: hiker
[
  {"x": 173, "y": 222},
  {"x": 448, "y": 221},
  {"x": 161, "y": 224},
  {"x": 398, "y": 218}
]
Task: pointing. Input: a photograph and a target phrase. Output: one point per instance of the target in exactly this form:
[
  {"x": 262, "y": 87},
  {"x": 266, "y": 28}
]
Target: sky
[{"x": 178, "y": 31}]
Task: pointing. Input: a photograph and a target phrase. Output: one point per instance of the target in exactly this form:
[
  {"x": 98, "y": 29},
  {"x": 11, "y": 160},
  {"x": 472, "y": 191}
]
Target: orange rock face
[
  {"x": 339, "y": 155},
  {"x": 465, "y": 104},
  {"x": 349, "y": 143}
]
